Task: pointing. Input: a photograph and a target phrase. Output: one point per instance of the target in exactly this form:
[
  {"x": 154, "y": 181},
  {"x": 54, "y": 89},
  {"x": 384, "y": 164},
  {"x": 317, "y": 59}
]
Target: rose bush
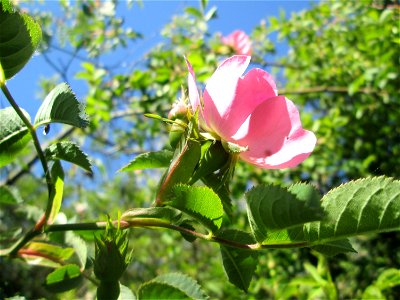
[
  {"x": 239, "y": 41},
  {"x": 246, "y": 111}
]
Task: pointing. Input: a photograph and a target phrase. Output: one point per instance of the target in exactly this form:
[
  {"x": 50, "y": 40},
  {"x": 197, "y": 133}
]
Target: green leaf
[
  {"x": 186, "y": 157},
  {"x": 239, "y": 264},
  {"x": 14, "y": 135},
  {"x": 364, "y": 206},
  {"x": 149, "y": 160},
  {"x": 57, "y": 174},
  {"x": 70, "y": 152},
  {"x": 199, "y": 202},
  {"x": 79, "y": 246},
  {"x": 45, "y": 254},
  {"x": 63, "y": 279},
  {"x": 125, "y": 293},
  {"x": 61, "y": 106},
  {"x": 335, "y": 247},
  {"x": 9, "y": 195},
  {"x": 20, "y": 35},
  {"x": 389, "y": 278},
  {"x": 275, "y": 208},
  {"x": 213, "y": 158},
  {"x": 171, "y": 286}
]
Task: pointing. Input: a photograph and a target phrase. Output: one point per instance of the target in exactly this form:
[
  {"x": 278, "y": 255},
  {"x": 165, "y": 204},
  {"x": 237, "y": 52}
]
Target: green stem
[
  {"x": 49, "y": 181},
  {"x": 150, "y": 222}
]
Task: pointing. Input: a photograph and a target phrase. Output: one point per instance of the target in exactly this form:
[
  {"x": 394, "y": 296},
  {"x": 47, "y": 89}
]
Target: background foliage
[{"x": 341, "y": 70}]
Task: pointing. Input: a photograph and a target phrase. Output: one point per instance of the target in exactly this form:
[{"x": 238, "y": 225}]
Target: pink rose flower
[
  {"x": 239, "y": 41},
  {"x": 247, "y": 111}
]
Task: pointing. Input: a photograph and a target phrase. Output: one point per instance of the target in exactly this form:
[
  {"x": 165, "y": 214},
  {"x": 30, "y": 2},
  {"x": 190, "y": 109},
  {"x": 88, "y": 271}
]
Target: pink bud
[{"x": 239, "y": 41}]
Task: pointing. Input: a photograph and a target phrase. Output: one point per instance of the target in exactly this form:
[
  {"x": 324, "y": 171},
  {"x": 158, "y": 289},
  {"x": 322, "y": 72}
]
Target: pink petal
[
  {"x": 221, "y": 88},
  {"x": 256, "y": 86},
  {"x": 193, "y": 91},
  {"x": 274, "y": 136}
]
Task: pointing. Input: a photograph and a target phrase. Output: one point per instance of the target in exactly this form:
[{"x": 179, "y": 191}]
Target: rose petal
[
  {"x": 253, "y": 89},
  {"x": 192, "y": 86},
  {"x": 274, "y": 135}
]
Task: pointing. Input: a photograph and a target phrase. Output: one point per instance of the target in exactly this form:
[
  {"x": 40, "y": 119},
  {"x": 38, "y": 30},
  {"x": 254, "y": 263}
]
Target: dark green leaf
[
  {"x": 200, "y": 203},
  {"x": 61, "y": 106},
  {"x": 20, "y": 35},
  {"x": 335, "y": 247},
  {"x": 369, "y": 205},
  {"x": 171, "y": 286},
  {"x": 186, "y": 157},
  {"x": 63, "y": 279},
  {"x": 149, "y": 160},
  {"x": 239, "y": 264},
  {"x": 14, "y": 135},
  {"x": 70, "y": 152},
  {"x": 275, "y": 208}
]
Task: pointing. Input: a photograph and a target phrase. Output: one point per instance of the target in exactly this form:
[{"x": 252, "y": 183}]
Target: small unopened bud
[{"x": 178, "y": 111}]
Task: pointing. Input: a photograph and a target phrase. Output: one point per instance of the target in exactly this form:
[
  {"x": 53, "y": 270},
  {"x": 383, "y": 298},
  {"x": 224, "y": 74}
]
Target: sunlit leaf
[
  {"x": 20, "y": 35},
  {"x": 149, "y": 160},
  {"x": 199, "y": 202},
  {"x": 181, "y": 168},
  {"x": 61, "y": 106},
  {"x": 171, "y": 286},
  {"x": 57, "y": 174},
  {"x": 364, "y": 206},
  {"x": 14, "y": 135},
  {"x": 45, "y": 254},
  {"x": 63, "y": 279},
  {"x": 70, "y": 152},
  {"x": 275, "y": 208}
]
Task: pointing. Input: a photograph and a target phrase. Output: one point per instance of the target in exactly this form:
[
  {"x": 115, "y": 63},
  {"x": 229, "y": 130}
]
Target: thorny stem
[
  {"x": 154, "y": 223},
  {"x": 42, "y": 158}
]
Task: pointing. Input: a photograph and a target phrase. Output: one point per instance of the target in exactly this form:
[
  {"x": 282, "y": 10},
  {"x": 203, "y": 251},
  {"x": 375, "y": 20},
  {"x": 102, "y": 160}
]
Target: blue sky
[{"x": 148, "y": 19}]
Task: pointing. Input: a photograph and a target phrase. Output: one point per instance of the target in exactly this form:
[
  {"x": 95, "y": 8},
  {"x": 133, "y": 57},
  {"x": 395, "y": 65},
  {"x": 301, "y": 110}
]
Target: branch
[{"x": 328, "y": 89}]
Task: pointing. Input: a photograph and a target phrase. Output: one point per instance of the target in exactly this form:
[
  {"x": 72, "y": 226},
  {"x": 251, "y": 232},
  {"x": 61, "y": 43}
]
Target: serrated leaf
[
  {"x": 61, "y": 106},
  {"x": 20, "y": 35},
  {"x": 149, "y": 160},
  {"x": 239, "y": 264},
  {"x": 162, "y": 213},
  {"x": 157, "y": 290},
  {"x": 14, "y": 135},
  {"x": 171, "y": 286},
  {"x": 70, "y": 152},
  {"x": 199, "y": 202},
  {"x": 186, "y": 157},
  {"x": 221, "y": 189},
  {"x": 57, "y": 175},
  {"x": 275, "y": 208},
  {"x": 335, "y": 247},
  {"x": 364, "y": 206},
  {"x": 63, "y": 279}
]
